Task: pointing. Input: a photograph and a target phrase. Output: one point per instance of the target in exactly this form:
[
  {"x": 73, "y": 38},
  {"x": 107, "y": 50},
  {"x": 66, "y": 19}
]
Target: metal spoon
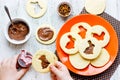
[{"x": 7, "y": 11}]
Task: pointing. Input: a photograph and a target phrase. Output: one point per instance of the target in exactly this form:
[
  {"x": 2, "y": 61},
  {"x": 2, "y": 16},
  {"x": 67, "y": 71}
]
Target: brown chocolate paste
[
  {"x": 18, "y": 31},
  {"x": 45, "y": 62},
  {"x": 45, "y": 34},
  {"x": 89, "y": 50}
]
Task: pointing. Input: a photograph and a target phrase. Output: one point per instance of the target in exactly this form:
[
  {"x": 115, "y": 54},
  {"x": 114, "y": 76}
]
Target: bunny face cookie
[
  {"x": 30, "y": 8},
  {"x": 65, "y": 40},
  {"x": 89, "y": 49},
  {"x": 76, "y": 28},
  {"x": 97, "y": 29}
]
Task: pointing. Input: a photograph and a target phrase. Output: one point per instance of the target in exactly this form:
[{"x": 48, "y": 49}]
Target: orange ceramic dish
[{"x": 112, "y": 46}]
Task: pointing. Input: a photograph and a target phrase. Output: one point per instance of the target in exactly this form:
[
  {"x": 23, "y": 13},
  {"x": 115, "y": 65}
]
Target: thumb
[
  {"x": 54, "y": 70},
  {"x": 21, "y": 73}
]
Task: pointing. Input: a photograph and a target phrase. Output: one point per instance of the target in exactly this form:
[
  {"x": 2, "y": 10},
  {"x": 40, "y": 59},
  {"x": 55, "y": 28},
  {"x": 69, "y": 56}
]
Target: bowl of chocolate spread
[{"x": 18, "y": 32}]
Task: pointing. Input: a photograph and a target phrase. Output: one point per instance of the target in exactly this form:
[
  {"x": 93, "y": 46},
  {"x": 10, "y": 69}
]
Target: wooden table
[{"x": 17, "y": 9}]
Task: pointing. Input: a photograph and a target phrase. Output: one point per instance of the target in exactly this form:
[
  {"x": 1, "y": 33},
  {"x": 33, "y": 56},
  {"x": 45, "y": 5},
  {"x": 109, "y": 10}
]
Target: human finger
[
  {"x": 59, "y": 64},
  {"x": 53, "y": 76},
  {"x": 22, "y": 72},
  {"x": 54, "y": 70},
  {"x": 14, "y": 60},
  {"x": 4, "y": 63}
]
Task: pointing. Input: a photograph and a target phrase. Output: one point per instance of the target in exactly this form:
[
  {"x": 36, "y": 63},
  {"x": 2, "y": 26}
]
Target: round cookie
[
  {"x": 46, "y": 34},
  {"x": 75, "y": 28},
  {"x": 95, "y": 6},
  {"x": 64, "y": 40},
  {"x": 102, "y": 59},
  {"x": 42, "y": 59},
  {"x": 31, "y": 9},
  {"x": 89, "y": 48},
  {"x": 98, "y": 29},
  {"x": 78, "y": 62}
]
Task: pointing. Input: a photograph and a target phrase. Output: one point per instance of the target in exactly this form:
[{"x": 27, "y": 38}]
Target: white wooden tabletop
[{"x": 17, "y": 9}]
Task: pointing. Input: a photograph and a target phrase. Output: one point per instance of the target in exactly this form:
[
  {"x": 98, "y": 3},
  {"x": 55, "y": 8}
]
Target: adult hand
[
  {"x": 8, "y": 69},
  {"x": 60, "y": 72}
]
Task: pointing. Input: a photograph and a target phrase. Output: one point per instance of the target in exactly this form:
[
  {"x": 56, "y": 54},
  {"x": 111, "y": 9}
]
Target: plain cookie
[
  {"x": 78, "y": 62},
  {"x": 103, "y": 59}
]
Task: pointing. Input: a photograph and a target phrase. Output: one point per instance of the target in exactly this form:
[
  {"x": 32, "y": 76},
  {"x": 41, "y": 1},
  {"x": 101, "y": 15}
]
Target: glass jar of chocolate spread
[{"x": 24, "y": 59}]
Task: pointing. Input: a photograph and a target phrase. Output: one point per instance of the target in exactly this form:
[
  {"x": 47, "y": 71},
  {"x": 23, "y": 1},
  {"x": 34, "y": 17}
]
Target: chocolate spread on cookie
[
  {"x": 45, "y": 62},
  {"x": 45, "y": 34},
  {"x": 18, "y": 31},
  {"x": 89, "y": 50}
]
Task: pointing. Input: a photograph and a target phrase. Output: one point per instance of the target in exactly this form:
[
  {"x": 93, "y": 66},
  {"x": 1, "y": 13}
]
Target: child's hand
[
  {"x": 59, "y": 72},
  {"x": 8, "y": 69}
]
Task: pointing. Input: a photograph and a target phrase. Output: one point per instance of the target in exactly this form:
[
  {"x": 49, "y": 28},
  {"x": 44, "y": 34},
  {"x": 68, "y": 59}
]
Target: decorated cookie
[
  {"x": 89, "y": 48},
  {"x": 102, "y": 59},
  {"x": 98, "y": 29},
  {"x": 42, "y": 59},
  {"x": 78, "y": 62},
  {"x": 46, "y": 34},
  {"x": 65, "y": 40},
  {"x": 76, "y": 28},
  {"x": 95, "y": 6},
  {"x": 31, "y": 9}
]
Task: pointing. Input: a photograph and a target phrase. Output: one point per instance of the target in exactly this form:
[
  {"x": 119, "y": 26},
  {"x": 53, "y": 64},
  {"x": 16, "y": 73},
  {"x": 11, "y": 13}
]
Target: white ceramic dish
[
  {"x": 67, "y": 3},
  {"x": 17, "y": 41}
]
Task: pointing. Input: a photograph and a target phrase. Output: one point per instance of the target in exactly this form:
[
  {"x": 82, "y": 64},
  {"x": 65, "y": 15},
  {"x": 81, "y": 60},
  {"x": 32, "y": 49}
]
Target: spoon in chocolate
[{"x": 7, "y": 11}]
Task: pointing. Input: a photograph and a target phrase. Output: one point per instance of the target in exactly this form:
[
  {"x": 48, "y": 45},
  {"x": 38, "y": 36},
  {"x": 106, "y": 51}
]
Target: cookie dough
[
  {"x": 31, "y": 9},
  {"x": 98, "y": 29},
  {"x": 78, "y": 62},
  {"x": 46, "y": 34},
  {"x": 103, "y": 59},
  {"x": 75, "y": 28},
  {"x": 89, "y": 48},
  {"x": 95, "y": 6},
  {"x": 64, "y": 40},
  {"x": 42, "y": 59}
]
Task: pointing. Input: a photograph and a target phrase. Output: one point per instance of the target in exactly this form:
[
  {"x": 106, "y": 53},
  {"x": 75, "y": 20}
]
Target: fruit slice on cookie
[
  {"x": 102, "y": 59},
  {"x": 89, "y": 48},
  {"x": 66, "y": 38},
  {"x": 78, "y": 62},
  {"x": 42, "y": 59},
  {"x": 46, "y": 34}
]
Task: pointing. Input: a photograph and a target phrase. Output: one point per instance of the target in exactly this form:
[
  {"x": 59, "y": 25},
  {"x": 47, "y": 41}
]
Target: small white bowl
[
  {"x": 17, "y": 41},
  {"x": 69, "y": 5}
]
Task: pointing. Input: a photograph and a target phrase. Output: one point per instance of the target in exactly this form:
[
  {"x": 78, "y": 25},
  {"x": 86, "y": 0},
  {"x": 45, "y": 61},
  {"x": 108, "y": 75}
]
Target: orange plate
[{"x": 112, "y": 47}]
